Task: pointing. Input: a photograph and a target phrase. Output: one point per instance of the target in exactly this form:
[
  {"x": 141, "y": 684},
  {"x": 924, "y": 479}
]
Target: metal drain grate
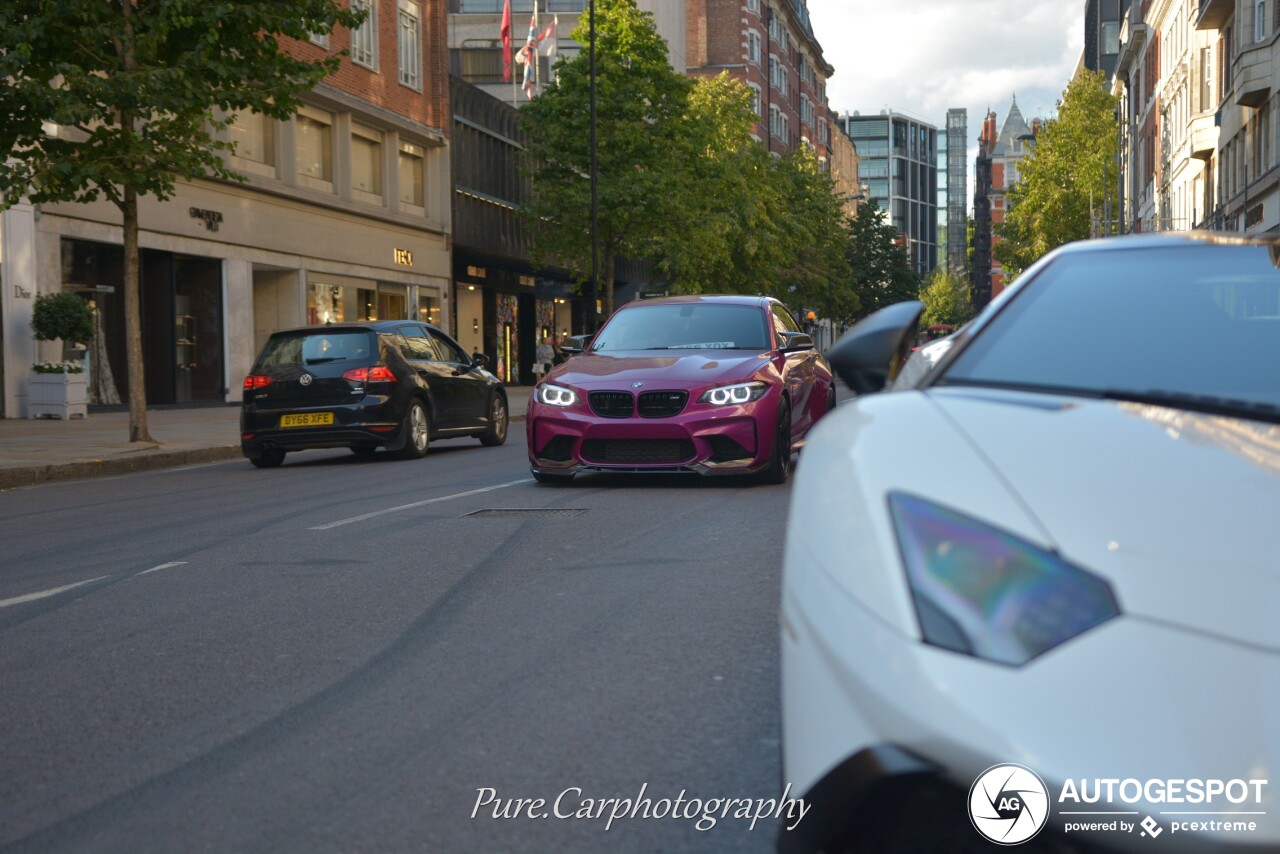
[{"x": 554, "y": 513}]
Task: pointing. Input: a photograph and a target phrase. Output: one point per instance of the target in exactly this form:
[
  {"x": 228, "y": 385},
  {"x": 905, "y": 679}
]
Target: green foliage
[
  {"x": 138, "y": 82},
  {"x": 880, "y": 272},
  {"x": 681, "y": 181},
  {"x": 1068, "y": 179},
  {"x": 640, "y": 105},
  {"x": 62, "y": 315},
  {"x": 946, "y": 299}
]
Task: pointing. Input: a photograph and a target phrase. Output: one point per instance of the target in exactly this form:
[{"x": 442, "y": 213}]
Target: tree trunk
[
  {"x": 133, "y": 322},
  {"x": 608, "y": 284}
]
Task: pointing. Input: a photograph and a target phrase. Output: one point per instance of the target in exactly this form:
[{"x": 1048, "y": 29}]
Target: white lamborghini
[{"x": 1031, "y": 590}]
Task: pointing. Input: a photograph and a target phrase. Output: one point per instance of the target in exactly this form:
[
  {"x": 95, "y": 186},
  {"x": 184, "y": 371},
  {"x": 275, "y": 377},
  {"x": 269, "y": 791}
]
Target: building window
[
  {"x": 1110, "y": 38},
  {"x": 411, "y": 157},
  {"x": 753, "y": 5},
  {"x": 753, "y": 46},
  {"x": 366, "y": 160},
  {"x": 755, "y": 99},
  {"x": 410, "y": 45},
  {"x": 1259, "y": 20},
  {"x": 1206, "y": 79},
  {"x": 321, "y": 39},
  {"x": 364, "y": 38},
  {"x": 254, "y": 136},
  {"x": 773, "y": 70},
  {"x": 314, "y": 132}
]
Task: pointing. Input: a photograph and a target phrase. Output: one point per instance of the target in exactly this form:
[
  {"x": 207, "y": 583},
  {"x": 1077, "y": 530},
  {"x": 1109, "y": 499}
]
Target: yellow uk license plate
[{"x": 306, "y": 419}]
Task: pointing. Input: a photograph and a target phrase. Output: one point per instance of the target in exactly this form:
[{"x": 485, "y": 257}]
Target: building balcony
[
  {"x": 1253, "y": 72},
  {"x": 1203, "y": 134},
  {"x": 1133, "y": 39},
  {"x": 1214, "y": 13}
]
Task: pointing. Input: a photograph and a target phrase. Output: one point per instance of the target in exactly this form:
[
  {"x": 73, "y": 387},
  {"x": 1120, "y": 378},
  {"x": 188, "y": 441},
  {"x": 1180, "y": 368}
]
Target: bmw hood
[
  {"x": 1180, "y": 511},
  {"x": 688, "y": 369}
]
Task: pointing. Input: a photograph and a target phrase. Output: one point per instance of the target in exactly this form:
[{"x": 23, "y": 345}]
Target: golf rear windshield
[{"x": 315, "y": 348}]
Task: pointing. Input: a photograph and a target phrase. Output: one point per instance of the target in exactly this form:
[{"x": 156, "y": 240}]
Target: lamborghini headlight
[{"x": 987, "y": 593}]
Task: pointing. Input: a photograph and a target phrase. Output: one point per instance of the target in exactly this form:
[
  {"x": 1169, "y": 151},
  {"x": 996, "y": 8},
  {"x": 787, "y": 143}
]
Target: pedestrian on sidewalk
[{"x": 543, "y": 358}]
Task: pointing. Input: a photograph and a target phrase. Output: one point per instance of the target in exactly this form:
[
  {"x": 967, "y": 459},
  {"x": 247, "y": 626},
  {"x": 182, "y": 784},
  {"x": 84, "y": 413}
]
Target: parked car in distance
[
  {"x": 707, "y": 384},
  {"x": 1056, "y": 547},
  {"x": 393, "y": 384}
]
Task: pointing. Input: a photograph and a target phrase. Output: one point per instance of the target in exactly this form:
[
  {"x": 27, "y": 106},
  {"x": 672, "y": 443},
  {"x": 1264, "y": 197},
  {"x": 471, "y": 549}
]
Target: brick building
[
  {"x": 345, "y": 216},
  {"x": 996, "y": 173},
  {"x": 770, "y": 46}
]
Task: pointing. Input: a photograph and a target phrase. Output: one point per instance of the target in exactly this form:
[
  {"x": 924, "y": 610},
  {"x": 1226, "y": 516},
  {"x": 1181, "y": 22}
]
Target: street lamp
[{"x": 590, "y": 320}]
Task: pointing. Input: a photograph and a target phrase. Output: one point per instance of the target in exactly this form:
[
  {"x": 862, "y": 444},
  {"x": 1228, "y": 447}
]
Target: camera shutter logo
[{"x": 1008, "y": 804}]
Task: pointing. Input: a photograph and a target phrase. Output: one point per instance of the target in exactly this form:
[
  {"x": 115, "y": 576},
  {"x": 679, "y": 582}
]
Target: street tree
[
  {"x": 641, "y": 105},
  {"x": 946, "y": 299},
  {"x": 880, "y": 272},
  {"x": 140, "y": 91},
  {"x": 1067, "y": 180},
  {"x": 815, "y": 271},
  {"x": 753, "y": 222}
]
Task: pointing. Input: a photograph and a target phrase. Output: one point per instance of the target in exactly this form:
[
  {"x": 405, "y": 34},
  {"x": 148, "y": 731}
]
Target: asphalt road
[{"x": 346, "y": 655}]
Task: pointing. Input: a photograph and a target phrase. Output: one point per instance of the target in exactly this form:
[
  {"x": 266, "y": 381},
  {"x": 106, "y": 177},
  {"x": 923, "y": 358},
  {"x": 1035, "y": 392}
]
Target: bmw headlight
[
  {"x": 734, "y": 395},
  {"x": 986, "y": 593},
  {"x": 556, "y": 395}
]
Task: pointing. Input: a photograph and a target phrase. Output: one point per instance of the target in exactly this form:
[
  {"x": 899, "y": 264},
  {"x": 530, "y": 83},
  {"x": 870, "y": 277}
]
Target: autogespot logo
[{"x": 1008, "y": 804}]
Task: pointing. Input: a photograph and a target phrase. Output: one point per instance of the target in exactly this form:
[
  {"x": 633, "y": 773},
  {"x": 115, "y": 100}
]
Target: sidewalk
[{"x": 40, "y": 450}]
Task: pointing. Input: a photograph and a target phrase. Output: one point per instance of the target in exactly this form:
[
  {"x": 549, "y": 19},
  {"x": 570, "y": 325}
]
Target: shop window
[
  {"x": 315, "y": 144},
  {"x": 429, "y": 308},
  {"x": 325, "y": 304},
  {"x": 366, "y": 160},
  {"x": 254, "y": 137},
  {"x": 411, "y": 157}
]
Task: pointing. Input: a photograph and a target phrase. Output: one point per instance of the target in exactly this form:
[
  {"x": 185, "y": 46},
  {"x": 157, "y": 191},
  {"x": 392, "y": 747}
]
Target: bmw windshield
[
  {"x": 1197, "y": 326},
  {"x": 685, "y": 326}
]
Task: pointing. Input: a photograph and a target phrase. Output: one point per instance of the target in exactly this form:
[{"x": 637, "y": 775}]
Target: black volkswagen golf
[{"x": 393, "y": 384}]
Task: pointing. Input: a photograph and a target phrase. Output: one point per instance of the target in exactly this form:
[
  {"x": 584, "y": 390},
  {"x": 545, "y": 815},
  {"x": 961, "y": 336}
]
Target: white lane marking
[
  {"x": 375, "y": 513},
  {"x": 43, "y": 594},
  {"x": 171, "y": 563}
]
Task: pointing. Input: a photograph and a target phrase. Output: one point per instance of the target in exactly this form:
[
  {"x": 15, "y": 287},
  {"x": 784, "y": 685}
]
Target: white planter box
[{"x": 62, "y": 395}]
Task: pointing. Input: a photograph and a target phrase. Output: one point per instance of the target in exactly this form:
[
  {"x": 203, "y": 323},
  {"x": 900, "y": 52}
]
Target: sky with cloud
[{"x": 923, "y": 57}]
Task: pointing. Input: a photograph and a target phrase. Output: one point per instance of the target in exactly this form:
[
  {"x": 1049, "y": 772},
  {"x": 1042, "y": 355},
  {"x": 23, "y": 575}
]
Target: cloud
[{"x": 923, "y": 57}]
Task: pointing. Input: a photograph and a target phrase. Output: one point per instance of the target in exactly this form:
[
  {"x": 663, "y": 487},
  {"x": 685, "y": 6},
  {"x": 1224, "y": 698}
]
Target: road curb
[
  {"x": 19, "y": 476},
  {"x": 12, "y": 478}
]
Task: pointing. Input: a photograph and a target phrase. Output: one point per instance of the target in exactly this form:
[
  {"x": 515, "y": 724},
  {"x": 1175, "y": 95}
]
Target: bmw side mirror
[
  {"x": 793, "y": 341},
  {"x": 869, "y": 355},
  {"x": 479, "y": 360},
  {"x": 575, "y": 344}
]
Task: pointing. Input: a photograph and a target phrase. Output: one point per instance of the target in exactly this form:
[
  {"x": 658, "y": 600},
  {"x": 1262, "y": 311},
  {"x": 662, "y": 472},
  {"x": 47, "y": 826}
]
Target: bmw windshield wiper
[{"x": 1208, "y": 403}]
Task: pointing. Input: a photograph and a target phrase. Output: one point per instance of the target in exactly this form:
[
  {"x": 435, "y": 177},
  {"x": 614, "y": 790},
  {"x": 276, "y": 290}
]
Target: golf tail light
[
  {"x": 256, "y": 381},
  {"x": 376, "y": 374},
  {"x": 986, "y": 593}
]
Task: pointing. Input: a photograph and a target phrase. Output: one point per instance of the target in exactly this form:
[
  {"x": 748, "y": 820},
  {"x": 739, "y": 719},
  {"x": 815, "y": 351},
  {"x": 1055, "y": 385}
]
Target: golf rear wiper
[{"x": 323, "y": 359}]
